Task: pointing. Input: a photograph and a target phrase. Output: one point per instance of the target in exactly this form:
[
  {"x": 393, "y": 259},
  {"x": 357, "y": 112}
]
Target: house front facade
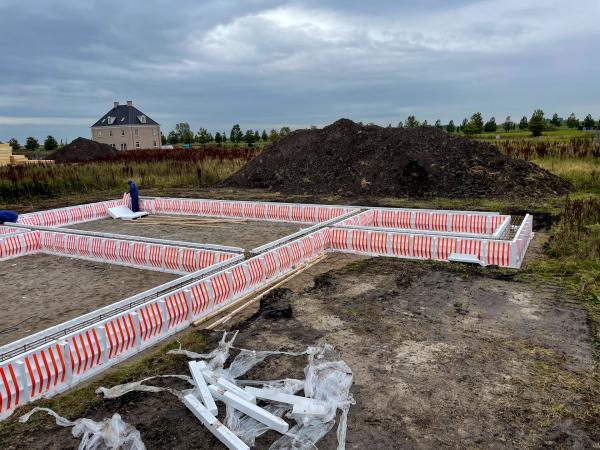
[{"x": 125, "y": 127}]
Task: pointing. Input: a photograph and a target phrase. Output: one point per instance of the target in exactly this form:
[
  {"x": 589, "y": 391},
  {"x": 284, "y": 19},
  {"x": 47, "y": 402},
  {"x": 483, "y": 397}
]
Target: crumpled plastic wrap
[
  {"x": 328, "y": 379},
  {"x": 110, "y": 434},
  {"x": 122, "y": 389},
  {"x": 216, "y": 358}
]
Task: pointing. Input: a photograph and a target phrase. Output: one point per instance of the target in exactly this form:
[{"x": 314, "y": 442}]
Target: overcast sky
[{"x": 269, "y": 63}]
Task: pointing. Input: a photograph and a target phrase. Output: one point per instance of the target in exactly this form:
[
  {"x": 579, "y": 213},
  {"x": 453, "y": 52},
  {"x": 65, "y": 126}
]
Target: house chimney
[
  {"x": 129, "y": 103},
  {"x": 116, "y": 105}
]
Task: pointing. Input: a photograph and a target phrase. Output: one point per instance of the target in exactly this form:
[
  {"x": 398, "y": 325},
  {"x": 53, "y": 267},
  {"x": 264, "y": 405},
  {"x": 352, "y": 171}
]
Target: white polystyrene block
[
  {"x": 205, "y": 394},
  {"x": 233, "y": 388},
  {"x": 222, "y": 433},
  {"x": 301, "y": 405},
  {"x": 250, "y": 409}
]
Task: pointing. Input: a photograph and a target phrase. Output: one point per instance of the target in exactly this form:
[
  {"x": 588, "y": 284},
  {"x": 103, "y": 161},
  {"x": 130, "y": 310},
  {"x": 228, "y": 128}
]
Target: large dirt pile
[
  {"x": 83, "y": 150},
  {"x": 347, "y": 158}
]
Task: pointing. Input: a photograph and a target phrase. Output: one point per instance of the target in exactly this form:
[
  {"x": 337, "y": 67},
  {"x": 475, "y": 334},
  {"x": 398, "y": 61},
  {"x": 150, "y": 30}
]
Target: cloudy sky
[{"x": 268, "y": 63}]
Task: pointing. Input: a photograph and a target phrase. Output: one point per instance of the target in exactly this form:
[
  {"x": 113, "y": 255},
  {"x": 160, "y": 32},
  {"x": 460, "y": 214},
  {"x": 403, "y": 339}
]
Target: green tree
[
  {"x": 273, "y": 135},
  {"x": 182, "y": 129},
  {"x": 451, "y": 128},
  {"x": 490, "y": 126},
  {"x": 508, "y": 124},
  {"x": 425, "y": 123},
  {"x": 31, "y": 143},
  {"x": 412, "y": 122},
  {"x": 285, "y": 131},
  {"x": 218, "y": 138},
  {"x": 187, "y": 137},
  {"x": 477, "y": 122},
  {"x": 556, "y": 121},
  {"x": 256, "y": 136},
  {"x": 524, "y": 123},
  {"x": 163, "y": 139},
  {"x": 204, "y": 137},
  {"x": 438, "y": 124},
  {"x": 249, "y": 138},
  {"x": 50, "y": 143},
  {"x": 589, "y": 121},
  {"x": 572, "y": 121},
  {"x": 236, "y": 134},
  {"x": 173, "y": 138},
  {"x": 224, "y": 137},
  {"x": 264, "y": 136},
  {"x": 400, "y": 124},
  {"x": 537, "y": 123},
  {"x": 14, "y": 144}
]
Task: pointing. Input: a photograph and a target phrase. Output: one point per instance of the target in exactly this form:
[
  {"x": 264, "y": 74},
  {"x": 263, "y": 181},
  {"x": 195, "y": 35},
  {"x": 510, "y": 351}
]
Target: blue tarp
[{"x": 8, "y": 216}]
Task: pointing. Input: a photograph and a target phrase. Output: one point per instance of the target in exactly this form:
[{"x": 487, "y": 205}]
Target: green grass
[
  {"x": 560, "y": 134},
  {"x": 582, "y": 173}
]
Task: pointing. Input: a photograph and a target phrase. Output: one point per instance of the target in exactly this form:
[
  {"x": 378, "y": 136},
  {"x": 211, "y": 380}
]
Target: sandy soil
[
  {"x": 246, "y": 234},
  {"x": 444, "y": 356},
  {"x": 39, "y": 291}
]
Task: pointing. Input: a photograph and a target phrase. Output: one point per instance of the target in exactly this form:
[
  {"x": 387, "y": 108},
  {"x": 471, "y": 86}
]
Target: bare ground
[
  {"x": 246, "y": 234},
  {"x": 53, "y": 289},
  {"x": 444, "y": 356}
]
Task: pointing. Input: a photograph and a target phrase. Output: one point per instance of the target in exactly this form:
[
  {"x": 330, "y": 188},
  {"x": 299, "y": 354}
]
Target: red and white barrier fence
[
  {"x": 19, "y": 244},
  {"x": 70, "y": 215},
  {"x": 278, "y": 212},
  {"x": 144, "y": 255},
  {"x": 503, "y": 253},
  {"x": 439, "y": 221},
  {"x": 60, "y": 364}
]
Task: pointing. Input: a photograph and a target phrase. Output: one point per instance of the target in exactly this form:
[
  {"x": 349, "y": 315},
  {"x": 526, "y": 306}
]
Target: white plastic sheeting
[{"x": 110, "y": 434}]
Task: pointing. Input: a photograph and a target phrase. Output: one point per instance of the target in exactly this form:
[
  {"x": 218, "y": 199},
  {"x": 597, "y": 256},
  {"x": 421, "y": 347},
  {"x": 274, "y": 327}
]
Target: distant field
[{"x": 561, "y": 134}]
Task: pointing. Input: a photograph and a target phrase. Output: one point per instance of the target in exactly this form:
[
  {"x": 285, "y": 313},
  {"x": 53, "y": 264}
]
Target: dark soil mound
[
  {"x": 83, "y": 150},
  {"x": 347, "y": 158}
]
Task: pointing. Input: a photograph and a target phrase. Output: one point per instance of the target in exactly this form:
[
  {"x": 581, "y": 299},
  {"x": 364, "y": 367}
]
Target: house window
[
  {"x": 113, "y": 145},
  {"x": 99, "y": 133},
  {"x": 111, "y": 120},
  {"x": 142, "y": 119},
  {"x": 110, "y": 133},
  {"x": 137, "y": 144},
  {"x": 154, "y": 143},
  {"x": 122, "y": 132},
  {"x": 123, "y": 146},
  {"x": 135, "y": 131}
]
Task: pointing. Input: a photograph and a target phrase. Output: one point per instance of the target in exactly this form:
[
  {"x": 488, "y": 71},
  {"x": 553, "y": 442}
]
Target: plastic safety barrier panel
[
  {"x": 159, "y": 257},
  {"x": 502, "y": 253},
  {"x": 269, "y": 211},
  {"x": 447, "y": 222},
  {"x": 60, "y": 364},
  {"x": 70, "y": 215},
  {"x": 19, "y": 244}
]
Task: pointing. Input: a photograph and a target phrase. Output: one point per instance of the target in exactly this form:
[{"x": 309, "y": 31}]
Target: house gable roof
[{"x": 124, "y": 115}]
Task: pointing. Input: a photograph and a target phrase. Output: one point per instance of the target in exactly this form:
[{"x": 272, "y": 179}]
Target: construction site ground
[
  {"x": 39, "y": 291},
  {"x": 246, "y": 234},
  {"x": 444, "y": 356}
]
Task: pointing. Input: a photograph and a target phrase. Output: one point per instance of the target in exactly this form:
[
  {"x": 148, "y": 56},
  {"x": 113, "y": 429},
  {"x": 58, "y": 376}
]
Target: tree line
[
  {"x": 183, "y": 134},
  {"x": 536, "y": 123}
]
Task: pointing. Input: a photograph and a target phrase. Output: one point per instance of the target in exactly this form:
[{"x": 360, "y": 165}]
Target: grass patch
[{"x": 582, "y": 173}]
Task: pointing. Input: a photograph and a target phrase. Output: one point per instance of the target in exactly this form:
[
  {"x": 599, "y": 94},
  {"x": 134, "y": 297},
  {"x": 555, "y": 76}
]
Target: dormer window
[
  {"x": 142, "y": 119},
  {"x": 111, "y": 120}
]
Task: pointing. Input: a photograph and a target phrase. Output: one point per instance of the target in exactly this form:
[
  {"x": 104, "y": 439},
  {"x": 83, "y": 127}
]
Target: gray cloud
[{"x": 270, "y": 63}]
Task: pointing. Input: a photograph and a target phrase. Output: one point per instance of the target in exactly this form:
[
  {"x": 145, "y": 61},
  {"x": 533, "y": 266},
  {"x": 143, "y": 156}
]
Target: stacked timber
[{"x": 7, "y": 158}]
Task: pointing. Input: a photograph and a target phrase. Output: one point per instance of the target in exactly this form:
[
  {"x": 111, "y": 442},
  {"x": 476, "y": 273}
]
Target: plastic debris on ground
[
  {"x": 253, "y": 407},
  {"x": 110, "y": 434}
]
